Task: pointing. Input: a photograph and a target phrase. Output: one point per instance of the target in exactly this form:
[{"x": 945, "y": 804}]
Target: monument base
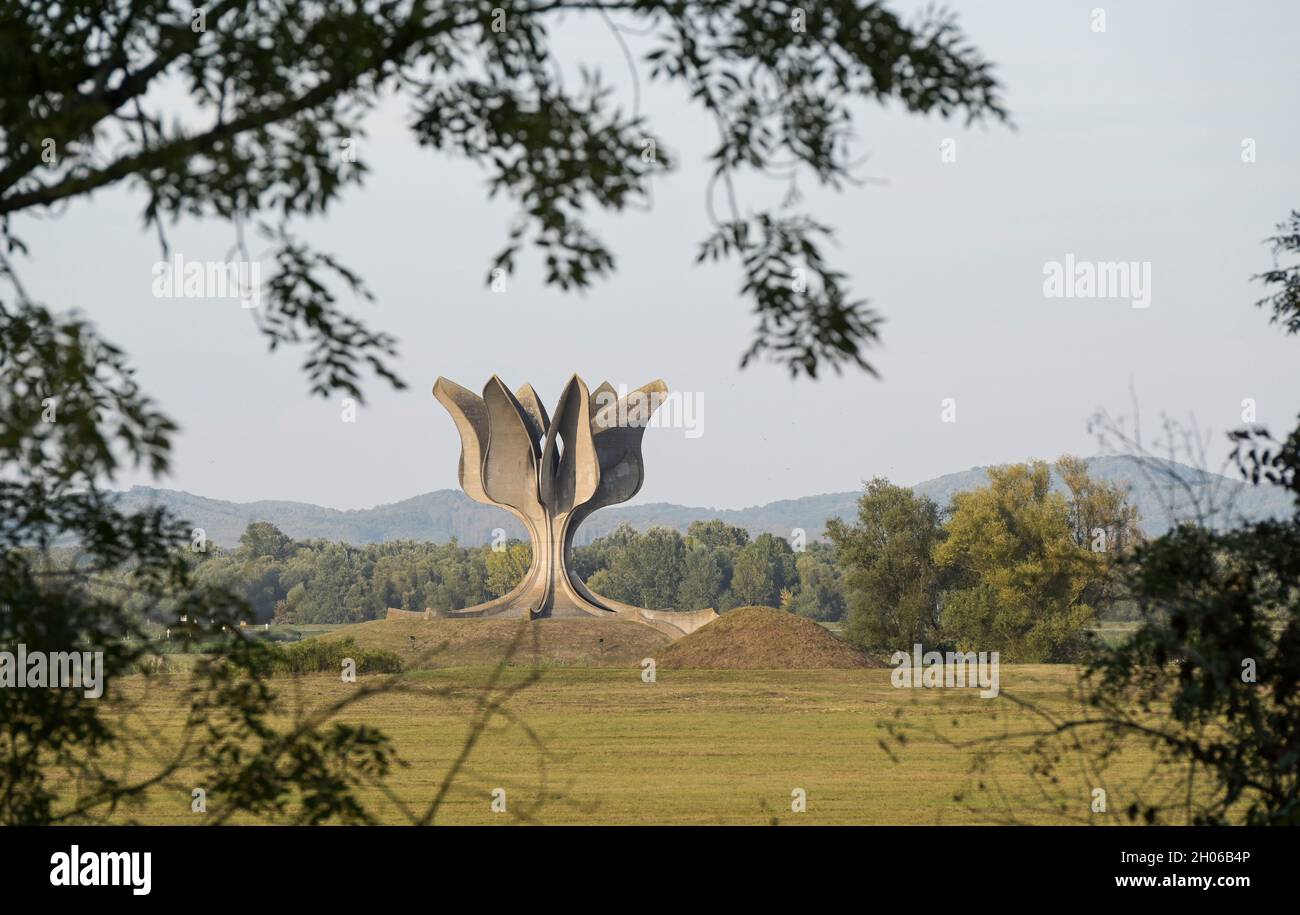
[{"x": 674, "y": 623}]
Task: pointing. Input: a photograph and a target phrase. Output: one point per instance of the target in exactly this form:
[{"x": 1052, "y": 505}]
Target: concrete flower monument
[{"x": 551, "y": 473}]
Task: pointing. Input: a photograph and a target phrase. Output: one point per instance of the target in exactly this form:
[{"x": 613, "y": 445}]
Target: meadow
[{"x": 600, "y": 745}]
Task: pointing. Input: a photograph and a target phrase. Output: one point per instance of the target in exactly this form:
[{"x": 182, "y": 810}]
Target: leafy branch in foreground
[
  {"x": 1284, "y": 302},
  {"x": 1208, "y": 685},
  {"x": 274, "y": 98},
  {"x": 70, "y": 416}
]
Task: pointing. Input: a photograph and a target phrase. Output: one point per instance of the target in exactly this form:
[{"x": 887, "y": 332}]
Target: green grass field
[{"x": 695, "y": 747}]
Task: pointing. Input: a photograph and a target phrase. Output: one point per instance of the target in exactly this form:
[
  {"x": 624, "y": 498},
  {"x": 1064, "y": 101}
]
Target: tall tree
[
  {"x": 1101, "y": 517},
  {"x": 887, "y": 561},
  {"x": 645, "y": 571},
  {"x": 1027, "y": 585},
  {"x": 704, "y": 579},
  {"x": 264, "y": 539},
  {"x": 763, "y": 569}
]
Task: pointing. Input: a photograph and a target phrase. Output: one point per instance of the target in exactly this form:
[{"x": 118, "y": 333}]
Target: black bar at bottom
[{"x": 635, "y": 865}]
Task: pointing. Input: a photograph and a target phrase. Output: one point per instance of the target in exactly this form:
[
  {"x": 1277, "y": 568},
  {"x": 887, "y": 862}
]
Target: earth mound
[
  {"x": 762, "y": 638},
  {"x": 565, "y": 642}
]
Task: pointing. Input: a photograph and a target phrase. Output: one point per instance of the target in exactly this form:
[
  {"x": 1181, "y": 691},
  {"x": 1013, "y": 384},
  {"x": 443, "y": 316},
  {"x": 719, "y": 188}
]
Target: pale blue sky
[{"x": 1128, "y": 148}]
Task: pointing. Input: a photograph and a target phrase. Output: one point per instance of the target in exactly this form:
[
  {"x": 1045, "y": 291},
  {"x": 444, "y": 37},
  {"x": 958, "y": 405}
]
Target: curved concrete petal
[
  {"x": 602, "y": 396},
  {"x": 539, "y": 423},
  {"x": 633, "y": 410},
  {"x": 509, "y": 464},
  {"x": 469, "y": 413},
  {"x": 578, "y": 472}
]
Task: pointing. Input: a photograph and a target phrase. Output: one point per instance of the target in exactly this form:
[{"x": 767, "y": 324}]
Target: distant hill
[{"x": 444, "y": 514}]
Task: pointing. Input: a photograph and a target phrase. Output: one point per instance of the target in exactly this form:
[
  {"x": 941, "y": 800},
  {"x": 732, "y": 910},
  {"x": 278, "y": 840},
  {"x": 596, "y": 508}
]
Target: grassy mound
[
  {"x": 761, "y": 638},
  {"x": 564, "y": 642}
]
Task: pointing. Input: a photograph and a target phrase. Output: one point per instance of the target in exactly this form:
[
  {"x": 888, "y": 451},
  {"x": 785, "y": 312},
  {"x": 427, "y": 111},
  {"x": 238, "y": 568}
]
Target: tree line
[
  {"x": 714, "y": 564},
  {"x": 1019, "y": 566}
]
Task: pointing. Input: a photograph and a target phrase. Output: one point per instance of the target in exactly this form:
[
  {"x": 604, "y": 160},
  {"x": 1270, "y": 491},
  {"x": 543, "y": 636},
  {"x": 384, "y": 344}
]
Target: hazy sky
[{"x": 1129, "y": 148}]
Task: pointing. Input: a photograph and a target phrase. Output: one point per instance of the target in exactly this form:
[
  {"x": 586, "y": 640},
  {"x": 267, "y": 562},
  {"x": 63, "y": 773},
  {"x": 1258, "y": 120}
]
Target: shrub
[{"x": 327, "y": 655}]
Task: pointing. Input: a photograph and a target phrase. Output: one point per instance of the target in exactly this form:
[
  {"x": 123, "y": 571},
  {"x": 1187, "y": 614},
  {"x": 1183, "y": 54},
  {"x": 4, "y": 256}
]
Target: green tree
[
  {"x": 264, "y": 539},
  {"x": 506, "y": 568},
  {"x": 819, "y": 595},
  {"x": 890, "y": 577},
  {"x": 704, "y": 579},
  {"x": 763, "y": 569},
  {"x": 644, "y": 570},
  {"x": 721, "y": 541},
  {"x": 717, "y": 535},
  {"x": 596, "y": 556},
  {"x": 260, "y": 587},
  {"x": 1024, "y": 580}
]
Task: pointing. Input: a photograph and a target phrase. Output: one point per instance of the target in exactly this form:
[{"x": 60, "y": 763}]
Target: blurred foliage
[
  {"x": 71, "y": 415},
  {"x": 253, "y": 112},
  {"x": 1211, "y": 678},
  {"x": 316, "y": 656},
  {"x": 1208, "y": 685}
]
